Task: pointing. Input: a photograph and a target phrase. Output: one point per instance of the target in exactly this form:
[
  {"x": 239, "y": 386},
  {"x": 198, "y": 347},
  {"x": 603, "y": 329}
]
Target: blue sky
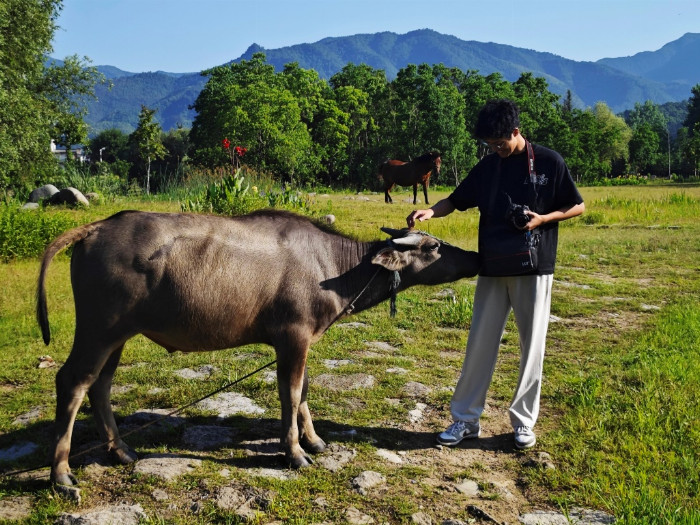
[{"x": 192, "y": 35}]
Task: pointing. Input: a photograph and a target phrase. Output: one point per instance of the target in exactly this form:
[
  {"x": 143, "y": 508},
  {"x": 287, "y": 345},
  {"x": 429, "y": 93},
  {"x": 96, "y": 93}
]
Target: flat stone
[
  {"x": 468, "y": 487},
  {"x": 388, "y": 455},
  {"x": 576, "y": 517},
  {"x": 201, "y": 372},
  {"x": 18, "y": 450},
  {"x": 117, "y": 514},
  {"x": 28, "y": 417},
  {"x": 415, "y": 389},
  {"x": 15, "y": 508},
  {"x": 229, "y": 404},
  {"x": 166, "y": 466},
  {"x": 345, "y": 382},
  {"x": 367, "y": 480},
  {"x": 336, "y": 457}
]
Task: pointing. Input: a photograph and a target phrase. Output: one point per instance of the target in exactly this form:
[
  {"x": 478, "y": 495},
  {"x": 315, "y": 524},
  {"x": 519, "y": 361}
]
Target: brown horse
[{"x": 409, "y": 174}]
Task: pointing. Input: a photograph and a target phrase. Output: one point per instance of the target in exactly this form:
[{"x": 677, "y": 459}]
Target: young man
[{"x": 499, "y": 179}]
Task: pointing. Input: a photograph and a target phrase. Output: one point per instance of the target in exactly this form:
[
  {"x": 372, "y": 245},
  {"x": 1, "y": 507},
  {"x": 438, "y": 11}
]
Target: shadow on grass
[{"x": 253, "y": 443}]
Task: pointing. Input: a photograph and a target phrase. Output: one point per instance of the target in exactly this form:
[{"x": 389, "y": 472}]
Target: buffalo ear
[
  {"x": 390, "y": 258},
  {"x": 395, "y": 234}
]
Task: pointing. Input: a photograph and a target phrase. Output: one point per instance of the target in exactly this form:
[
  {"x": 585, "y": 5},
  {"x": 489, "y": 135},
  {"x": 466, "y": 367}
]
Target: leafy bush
[
  {"x": 27, "y": 233},
  {"x": 233, "y": 196}
]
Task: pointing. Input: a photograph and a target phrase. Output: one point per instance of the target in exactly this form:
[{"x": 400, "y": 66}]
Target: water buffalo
[{"x": 197, "y": 283}]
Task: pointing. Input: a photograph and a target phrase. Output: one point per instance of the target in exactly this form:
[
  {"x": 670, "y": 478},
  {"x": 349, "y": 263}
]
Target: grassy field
[{"x": 620, "y": 417}]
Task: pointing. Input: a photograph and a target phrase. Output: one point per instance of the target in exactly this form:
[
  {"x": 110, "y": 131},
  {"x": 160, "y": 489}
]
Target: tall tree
[
  {"x": 693, "y": 109},
  {"x": 147, "y": 139},
  {"x": 37, "y": 103}
]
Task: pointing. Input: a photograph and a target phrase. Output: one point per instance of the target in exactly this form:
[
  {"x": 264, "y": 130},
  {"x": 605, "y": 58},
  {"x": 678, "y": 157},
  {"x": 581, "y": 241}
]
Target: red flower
[
  {"x": 226, "y": 143},
  {"x": 240, "y": 151}
]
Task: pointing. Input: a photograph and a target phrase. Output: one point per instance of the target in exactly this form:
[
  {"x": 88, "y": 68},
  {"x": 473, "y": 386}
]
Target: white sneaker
[
  {"x": 458, "y": 431},
  {"x": 524, "y": 437}
]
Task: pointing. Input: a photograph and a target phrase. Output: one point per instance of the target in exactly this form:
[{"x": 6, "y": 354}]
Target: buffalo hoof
[
  {"x": 300, "y": 462},
  {"x": 66, "y": 478},
  {"x": 123, "y": 456},
  {"x": 314, "y": 447}
]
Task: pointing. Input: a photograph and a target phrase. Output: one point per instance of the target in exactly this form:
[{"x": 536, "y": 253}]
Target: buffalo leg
[
  {"x": 73, "y": 380},
  {"x": 307, "y": 434},
  {"x": 99, "y": 395},
  {"x": 291, "y": 367}
]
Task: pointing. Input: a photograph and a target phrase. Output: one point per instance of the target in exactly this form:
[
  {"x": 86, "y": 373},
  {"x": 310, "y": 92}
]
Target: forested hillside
[{"x": 620, "y": 83}]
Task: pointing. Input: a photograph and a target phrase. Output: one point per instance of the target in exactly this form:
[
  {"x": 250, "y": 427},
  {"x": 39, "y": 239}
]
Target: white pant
[{"x": 530, "y": 298}]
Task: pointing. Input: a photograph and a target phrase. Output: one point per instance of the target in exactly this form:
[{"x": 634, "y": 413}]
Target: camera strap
[{"x": 531, "y": 171}]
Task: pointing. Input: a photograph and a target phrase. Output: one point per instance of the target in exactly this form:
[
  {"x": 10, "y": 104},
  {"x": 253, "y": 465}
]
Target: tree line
[
  {"x": 304, "y": 130},
  {"x": 308, "y": 131}
]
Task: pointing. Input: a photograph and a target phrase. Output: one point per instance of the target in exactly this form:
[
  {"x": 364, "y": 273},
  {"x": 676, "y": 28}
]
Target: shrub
[
  {"x": 233, "y": 196},
  {"x": 27, "y": 233}
]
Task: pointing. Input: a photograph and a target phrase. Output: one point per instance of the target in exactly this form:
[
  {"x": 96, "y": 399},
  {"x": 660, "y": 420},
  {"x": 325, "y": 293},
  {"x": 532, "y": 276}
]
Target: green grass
[{"x": 619, "y": 410}]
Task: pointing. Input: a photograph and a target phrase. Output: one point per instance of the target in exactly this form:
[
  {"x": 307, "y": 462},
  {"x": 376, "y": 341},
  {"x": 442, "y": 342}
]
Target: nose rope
[{"x": 394, "y": 282}]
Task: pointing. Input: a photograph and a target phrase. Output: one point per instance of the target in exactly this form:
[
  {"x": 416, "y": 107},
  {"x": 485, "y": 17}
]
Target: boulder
[
  {"x": 45, "y": 192},
  {"x": 69, "y": 196}
]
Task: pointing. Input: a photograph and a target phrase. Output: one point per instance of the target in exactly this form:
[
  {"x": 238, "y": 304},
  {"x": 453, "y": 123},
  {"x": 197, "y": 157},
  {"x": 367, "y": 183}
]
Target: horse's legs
[
  {"x": 425, "y": 190},
  {"x": 99, "y": 395},
  {"x": 415, "y": 192},
  {"x": 387, "y": 197}
]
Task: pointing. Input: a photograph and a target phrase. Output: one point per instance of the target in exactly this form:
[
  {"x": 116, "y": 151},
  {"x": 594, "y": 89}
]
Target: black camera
[{"x": 517, "y": 215}]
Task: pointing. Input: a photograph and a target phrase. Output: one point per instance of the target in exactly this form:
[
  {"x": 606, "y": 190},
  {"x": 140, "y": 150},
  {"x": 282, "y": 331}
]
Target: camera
[{"x": 517, "y": 215}]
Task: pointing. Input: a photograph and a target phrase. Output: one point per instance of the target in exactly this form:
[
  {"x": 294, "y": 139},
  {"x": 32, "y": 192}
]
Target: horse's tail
[{"x": 382, "y": 168}]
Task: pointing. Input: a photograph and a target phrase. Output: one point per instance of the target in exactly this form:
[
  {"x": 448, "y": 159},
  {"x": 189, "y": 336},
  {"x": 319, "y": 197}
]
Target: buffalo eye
[{"x": 430, "y": 246}]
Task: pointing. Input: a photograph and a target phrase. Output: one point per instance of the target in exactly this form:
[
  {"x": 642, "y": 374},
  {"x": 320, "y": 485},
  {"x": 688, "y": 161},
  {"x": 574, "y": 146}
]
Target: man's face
[{"x": 504, "y": 146}]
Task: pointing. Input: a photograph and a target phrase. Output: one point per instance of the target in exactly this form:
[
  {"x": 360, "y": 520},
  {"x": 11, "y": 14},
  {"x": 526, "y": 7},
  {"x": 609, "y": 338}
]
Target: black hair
[{"x": 497, "y": 119}]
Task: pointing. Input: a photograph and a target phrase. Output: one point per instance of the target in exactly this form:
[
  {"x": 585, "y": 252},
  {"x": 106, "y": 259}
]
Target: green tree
[
  {"x": 147, "y": 140},
  {"x": 650, "y": 145},
  {"x": 109, "y": 145},
  {"x": 251, "y": 106},
  {"x": 37, "y": 103},
  {"x": 693, "y": 109}
]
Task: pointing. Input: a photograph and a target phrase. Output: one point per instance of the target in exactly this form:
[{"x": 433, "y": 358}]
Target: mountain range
[{"x": 665, "y": 75}]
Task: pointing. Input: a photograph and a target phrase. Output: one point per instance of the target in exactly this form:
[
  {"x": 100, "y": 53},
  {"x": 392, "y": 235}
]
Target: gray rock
[
  {"x": 575, "y": 517},
  {"x": 69, "y": 196},
  {"x": 421, "y": 518},
  {"x": 341, "y": 383},
  {"x": 18, "y": 450},
  {"x": 44, "y": 192},
  {"x": 201, "y": 372},
  {"x": 468, "y": 487},
  {"x": 367, "y": 480},
  {"x": 28, "y": 417},
  {"x": 336, "y": 457},
  {"x": 414, "y": 389},
  {"x": 115, "y": 515},
  {"x": 15, "y": 508},
  {"x": 355, "y": 517},
  {"x": 166, "y": 466},
  {"x": 229, "y": 404}
]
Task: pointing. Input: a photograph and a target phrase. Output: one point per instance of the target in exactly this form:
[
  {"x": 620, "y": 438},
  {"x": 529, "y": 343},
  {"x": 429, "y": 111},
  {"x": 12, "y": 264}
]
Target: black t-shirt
[{"x": 554, "y": 189}]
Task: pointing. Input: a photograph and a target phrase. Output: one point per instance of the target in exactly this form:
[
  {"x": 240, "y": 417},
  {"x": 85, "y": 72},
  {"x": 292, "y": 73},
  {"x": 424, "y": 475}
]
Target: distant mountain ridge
[{"x": 665, "y": 75}]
